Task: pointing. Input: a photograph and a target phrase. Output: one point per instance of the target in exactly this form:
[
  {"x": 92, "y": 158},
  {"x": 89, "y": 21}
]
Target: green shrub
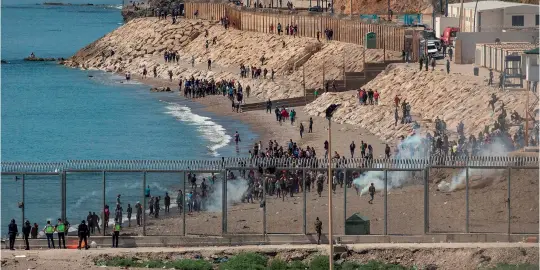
[
  {"x": 153, "y": 264},
  {"x": 297, "y": 265},
  {"x": 179, "y": 264},
  {"x": 277, "y": 265},
  {"x": 349, "y": 266},
  {"x": 319, "y": 263},
  {"x": 245, "y": 261}
]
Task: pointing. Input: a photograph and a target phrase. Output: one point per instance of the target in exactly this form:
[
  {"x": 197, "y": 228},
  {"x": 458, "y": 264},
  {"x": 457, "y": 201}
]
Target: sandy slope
[{"x": 452, "y": 97}]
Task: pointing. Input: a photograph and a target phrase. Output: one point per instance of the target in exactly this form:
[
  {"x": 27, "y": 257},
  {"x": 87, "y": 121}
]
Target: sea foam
[{"x": 210, "y": 130}]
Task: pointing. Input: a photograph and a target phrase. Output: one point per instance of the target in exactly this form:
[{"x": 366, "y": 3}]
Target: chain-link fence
[{"x": 277, "y": 196}]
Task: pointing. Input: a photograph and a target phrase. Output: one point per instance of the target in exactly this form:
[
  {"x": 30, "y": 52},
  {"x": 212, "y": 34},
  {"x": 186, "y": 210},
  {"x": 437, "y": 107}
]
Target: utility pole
[
  {"x": 344, "y": 78},
  {"x": 304, "y": 81},
  {"x": 330, "y": 233},
  {"x": 527, "y": 115},
  {"x": 461, "y": 16}
]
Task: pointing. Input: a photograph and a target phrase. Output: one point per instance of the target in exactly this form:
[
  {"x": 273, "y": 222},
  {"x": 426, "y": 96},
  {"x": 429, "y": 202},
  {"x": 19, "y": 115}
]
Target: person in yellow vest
[
  {"x": 116, "y": 233},
  {"x": 61, "y": 230},
  {"x": 49, "y": 231}
]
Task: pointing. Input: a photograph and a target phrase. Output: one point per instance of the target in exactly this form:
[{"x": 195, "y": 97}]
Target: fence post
[
  {"x": 304, "y": 215},
  {"x": 426, "y": 200},
  {"x": 264, "y": 206},
  {"x": 345, "y": 179},
  {"x": 144, "y": 204},
  {"x": 184, "y": 206},
  {"x": 385, "y": 202},
  {"x": 104, "y": 202},
  {"x": 23, "y": 204},
  {"x": 224, "y": 203},
  {"x": 64, "y": 195},
  {"x": 509, "y": 195},
  {"x": 467, "y": 200}
]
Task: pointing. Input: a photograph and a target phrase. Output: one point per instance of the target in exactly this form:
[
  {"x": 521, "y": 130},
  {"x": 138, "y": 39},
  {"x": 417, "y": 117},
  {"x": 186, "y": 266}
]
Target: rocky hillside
[
  {"x": 452, "y": 97},
  {"x": 142, "y": 42}
]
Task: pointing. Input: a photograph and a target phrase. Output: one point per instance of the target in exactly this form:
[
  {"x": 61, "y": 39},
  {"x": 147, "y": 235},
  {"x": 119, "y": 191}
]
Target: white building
[{"x": 496, "y": 16}]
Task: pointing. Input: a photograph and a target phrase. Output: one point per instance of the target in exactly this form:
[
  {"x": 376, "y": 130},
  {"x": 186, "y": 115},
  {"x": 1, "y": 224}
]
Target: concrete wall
[
  {"x": 287, "y": 239},
  {"x": 469, "y": 41},
  {"x": 529, "y": 13},
  {"x": 490, "y": 20}
]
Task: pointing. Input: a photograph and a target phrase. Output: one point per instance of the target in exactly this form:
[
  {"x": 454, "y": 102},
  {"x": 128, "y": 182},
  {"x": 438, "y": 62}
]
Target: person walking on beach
[
  {"x": 156, "y": 207},
  {"x": 192, "y": 61},
  {"x": 170, "y": 75},
  {"x": 12, "y": 232},
  {"x": 138, "y": 208},
  {"x": 26, "y": 233},
  {"x": 129, "y": 210},
  {"x": 180, "y": 201},
  {"x": 151, "y": 206},
  {"x": 236, "y": 137},
  {"x": 144, "y": 72},
  {"x": 371, "y": 191},
  {"x": 49, "y": 231},
  {"x": 83, "y": 233},
  {"x": 318, "y": 229},
  {"x": 209, "y": 64},
  {"x": 268, "y": 106},
  {"x": 147, "y": 192},
  {"x": 167, "y": 202},
  {"x": 155, "y": 71},
  {"x": 61, "y": 230},
  {"x": 301, "y": 130},
  {"x": 352, "y": 147},
  {"x": 310, "y": 130},
  {"x": 95, "y": 221},
  {"x": 34, "y": 231}
]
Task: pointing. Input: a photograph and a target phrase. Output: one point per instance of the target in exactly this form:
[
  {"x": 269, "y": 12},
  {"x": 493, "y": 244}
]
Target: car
[{"x": 316, "y": 9}]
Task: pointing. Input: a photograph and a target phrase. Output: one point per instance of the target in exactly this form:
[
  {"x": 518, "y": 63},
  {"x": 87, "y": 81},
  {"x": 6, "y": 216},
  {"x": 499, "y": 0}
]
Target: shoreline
[{"x": 267, "y": 128}]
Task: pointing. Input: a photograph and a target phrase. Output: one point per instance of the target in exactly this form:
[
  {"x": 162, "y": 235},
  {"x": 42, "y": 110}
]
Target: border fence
[
  {"x": 58, "y": 179},
  {"x": 389, "y": 37}
]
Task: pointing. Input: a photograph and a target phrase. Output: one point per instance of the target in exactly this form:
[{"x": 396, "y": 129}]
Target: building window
[
  {"x": 518, "y": 20},
  {"x": 537, "y": 20}
]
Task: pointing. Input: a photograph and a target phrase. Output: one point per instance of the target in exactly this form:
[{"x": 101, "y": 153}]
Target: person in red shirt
[
  {"x": 397, "y": 100},
  {"x": 376, "y": 97}
]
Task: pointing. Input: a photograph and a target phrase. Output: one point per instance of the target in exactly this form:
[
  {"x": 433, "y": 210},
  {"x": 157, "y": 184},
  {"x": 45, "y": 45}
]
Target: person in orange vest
[{"x": 116, "y": 233}]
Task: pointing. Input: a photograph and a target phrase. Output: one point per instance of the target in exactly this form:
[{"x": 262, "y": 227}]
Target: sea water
[{"x": 54, "y": 113}]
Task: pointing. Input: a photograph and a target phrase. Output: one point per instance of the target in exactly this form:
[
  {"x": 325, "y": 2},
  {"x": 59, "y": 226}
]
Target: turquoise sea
[{"x": 54, "y": 113}]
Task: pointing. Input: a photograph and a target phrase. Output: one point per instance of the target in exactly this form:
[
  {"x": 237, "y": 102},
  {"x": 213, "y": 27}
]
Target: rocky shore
[{"x": 142, "y": 42}]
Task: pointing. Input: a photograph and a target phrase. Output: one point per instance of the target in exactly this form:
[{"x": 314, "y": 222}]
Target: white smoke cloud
[
  {"x": 411, "y": 147},
  {"x": 495, "y": 148},
  {"x": 235, "y": 191}
]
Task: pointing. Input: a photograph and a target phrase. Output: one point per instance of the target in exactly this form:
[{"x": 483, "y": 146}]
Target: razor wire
[{"x": 255, "y": 163}]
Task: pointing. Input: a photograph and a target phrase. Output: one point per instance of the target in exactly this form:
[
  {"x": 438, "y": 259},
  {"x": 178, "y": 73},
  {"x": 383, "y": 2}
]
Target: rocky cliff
[{"x": 142, "y": 42}]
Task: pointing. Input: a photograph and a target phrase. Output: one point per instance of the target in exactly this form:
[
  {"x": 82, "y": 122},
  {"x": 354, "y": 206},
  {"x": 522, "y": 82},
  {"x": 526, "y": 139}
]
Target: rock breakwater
[{"x": 142, "y": 42}]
